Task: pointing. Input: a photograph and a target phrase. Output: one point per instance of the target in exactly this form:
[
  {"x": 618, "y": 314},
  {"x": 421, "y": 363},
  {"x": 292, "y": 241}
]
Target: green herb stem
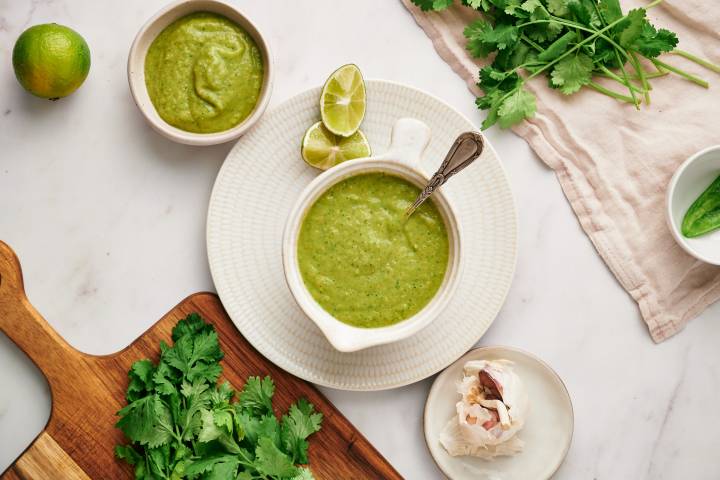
[
  {"x": 606, "y": 72},
  {"x": 627, "y": 80},
  {"x": 576, "y": 47},
  {"x": 700, "y": 61},
  {"x": 531, "y": 43},
  {"x": 641, "y": 74},
  {"x": 651, "y": 75},
  {"x": 682, "y": 73},
  {"x": 606, "y": 91}
]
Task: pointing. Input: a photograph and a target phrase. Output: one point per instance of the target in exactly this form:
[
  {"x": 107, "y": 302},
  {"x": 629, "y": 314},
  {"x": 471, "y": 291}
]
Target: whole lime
[{"x": 50, "y": 60}]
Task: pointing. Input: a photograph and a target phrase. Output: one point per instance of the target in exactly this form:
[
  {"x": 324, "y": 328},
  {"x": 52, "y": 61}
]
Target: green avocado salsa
[
  {"x": 203, "y": 73},
  {"x": 362, "y": 261}
]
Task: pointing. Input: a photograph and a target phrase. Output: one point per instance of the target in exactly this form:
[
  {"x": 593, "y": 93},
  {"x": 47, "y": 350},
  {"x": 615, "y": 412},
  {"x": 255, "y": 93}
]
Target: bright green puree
[
  {"x": 359, "y": 258},
  {"x": 203, "y": 73}
]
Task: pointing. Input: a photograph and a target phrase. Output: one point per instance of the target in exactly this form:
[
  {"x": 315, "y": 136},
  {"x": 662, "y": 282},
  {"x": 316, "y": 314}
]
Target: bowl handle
[{"x": 408, "y": 140}]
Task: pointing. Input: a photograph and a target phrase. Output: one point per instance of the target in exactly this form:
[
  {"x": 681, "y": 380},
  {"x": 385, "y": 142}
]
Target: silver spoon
[{"x": 466, "y": 148}]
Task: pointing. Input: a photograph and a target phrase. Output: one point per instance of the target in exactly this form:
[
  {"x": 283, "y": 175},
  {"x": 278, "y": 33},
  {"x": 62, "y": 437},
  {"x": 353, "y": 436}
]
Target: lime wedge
[
  {"x": 342, "y": 103},
  {"x": 323, "y": 149}
]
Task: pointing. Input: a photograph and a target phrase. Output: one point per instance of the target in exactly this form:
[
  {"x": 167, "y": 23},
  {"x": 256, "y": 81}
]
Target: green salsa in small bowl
[
  {"x": 362, "y": 271},
  {"x": 200, "y": 72}
]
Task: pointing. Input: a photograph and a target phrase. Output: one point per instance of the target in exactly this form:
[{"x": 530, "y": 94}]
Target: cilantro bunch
[
  {"x": 570, "y": 41},
  {"x": 183, "y": 425}
]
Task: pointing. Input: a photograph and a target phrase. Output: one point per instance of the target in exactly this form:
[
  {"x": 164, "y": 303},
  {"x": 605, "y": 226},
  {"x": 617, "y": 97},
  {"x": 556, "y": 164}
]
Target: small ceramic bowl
[
  {"x": 409, "y": 139},
  {"x": 136, "y": 70},
  {"x": 689, "y": 181}
]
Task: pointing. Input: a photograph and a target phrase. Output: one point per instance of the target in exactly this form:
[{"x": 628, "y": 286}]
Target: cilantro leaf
[
  {"x": 433, "y": 4},
  {"x": 558, "y": 7},
  {"x": 190, "y": 325},
  {"x": 476, "y": 33},
  {"x": 194, "y": 356},
  {"x": 223, "y": 470},
  {"x": 530, "y": 5},
  {"x": 503, "y": 35},
  {"x": 516, "y": 107},
  {"x": 630, "y": 27},
  {"x": 483, "y": 5},
  {"x": 304, "y": 474},
  {"x": 165, "y": 379},
  {"x": 653, "y": 42},
  {"x": 127, "y": 453},
  {"x": 209, "y": 431},
  {"x": 269, "y": 460},
  {"x": 203, "y": 465},
  {"x": 483, "y": 38},
  {"x": 300, "y": 422},
  {"x": 579, "y": 10},
  {"x": 610, "y": 10},
  {"x": 256, "y": 395},
  {"x": 572, "y": 72},
  {"x": 141, "y": 380},
  {"x": 146, "y": 421},
  {"x": 548, "y": 30}
]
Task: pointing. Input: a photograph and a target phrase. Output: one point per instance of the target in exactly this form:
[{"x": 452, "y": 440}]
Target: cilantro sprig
[
  {"x": 570, "y": 41},
  {"x": 182, "y": 425}
]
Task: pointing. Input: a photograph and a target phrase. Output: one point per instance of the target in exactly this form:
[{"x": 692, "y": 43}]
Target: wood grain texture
[
  {"x": 44, "y": 459},
  {"x": 87, "y": 390}
]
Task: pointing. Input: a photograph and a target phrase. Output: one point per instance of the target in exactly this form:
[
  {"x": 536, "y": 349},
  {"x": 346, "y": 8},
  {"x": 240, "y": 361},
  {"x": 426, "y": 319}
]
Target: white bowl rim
[
  {"x": 136, "y": 79},
  {"x": 344, "y": 337},
  {"x": 669, "y": 195}
]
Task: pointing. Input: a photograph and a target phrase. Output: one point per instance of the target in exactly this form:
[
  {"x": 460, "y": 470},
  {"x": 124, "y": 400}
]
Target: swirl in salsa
[{"x": 204, "y": 73}]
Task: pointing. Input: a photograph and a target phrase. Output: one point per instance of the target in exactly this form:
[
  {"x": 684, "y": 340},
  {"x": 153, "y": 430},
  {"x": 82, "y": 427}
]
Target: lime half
[
  {"x": 323, "y": 149},
  {"x": 342, "y": 103}
]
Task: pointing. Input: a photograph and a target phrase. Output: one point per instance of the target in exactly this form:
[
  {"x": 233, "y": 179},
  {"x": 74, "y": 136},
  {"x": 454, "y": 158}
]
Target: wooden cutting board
[{"x": 87, "y": 390}]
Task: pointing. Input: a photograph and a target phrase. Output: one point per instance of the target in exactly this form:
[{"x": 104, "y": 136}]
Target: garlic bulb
[{"x": 492, "y": 410}]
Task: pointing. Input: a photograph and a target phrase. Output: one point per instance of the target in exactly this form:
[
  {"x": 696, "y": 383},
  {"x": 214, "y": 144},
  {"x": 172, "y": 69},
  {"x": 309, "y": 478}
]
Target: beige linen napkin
[{"x": 614, "y": 162}]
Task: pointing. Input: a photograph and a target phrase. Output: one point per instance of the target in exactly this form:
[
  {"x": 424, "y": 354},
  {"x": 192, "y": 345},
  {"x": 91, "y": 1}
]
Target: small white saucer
[{"x": 547, "y": 432}]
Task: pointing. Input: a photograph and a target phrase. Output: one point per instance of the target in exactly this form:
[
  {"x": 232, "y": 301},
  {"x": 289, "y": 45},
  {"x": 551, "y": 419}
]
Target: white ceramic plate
[
  {"x": 259, "y": 183},
  {"x": 547, "y": 432}
]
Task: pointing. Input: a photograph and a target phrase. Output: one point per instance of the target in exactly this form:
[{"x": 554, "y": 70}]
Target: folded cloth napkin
[{"x": 614, "y": 162}]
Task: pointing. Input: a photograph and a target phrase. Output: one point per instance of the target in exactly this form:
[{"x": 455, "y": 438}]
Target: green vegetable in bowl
[
  {"x": 572, "y": 42},
  {"x": 703, "y": 216},
  {"x": 183, "y": 425}
]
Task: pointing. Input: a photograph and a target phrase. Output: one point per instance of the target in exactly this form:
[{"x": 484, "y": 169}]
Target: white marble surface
[{"x": 108, "y": 220}]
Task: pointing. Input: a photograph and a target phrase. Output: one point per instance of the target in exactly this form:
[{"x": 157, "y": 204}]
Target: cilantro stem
[
  {"x": 652, "y": 4},
  {"x": 700, "y": 61},
  {"x": 606, "y": 91},
  {"x": 651, "y": 75},
  {"x": 606, "y": 72},
  {"x": 625, "y": 76},
  {"x": 641, "y": 74},
  {"x": 532, "y": 43},
  {"x": 682, "y": 73},
  {"x": 648, "y": 75},
  {"x": 573, "y": 49}
]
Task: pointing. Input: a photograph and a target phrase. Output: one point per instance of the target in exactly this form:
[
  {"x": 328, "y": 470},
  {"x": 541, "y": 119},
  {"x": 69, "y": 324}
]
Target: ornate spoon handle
[{"x": 466, "y": 148}]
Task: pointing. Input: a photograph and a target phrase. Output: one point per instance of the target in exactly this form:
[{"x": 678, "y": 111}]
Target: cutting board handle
[{"x": 23, "y": 324}]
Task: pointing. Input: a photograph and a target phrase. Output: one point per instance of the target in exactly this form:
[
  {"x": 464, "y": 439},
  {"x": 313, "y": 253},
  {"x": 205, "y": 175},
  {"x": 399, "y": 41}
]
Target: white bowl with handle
[{"x": 408, "y": 141}]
